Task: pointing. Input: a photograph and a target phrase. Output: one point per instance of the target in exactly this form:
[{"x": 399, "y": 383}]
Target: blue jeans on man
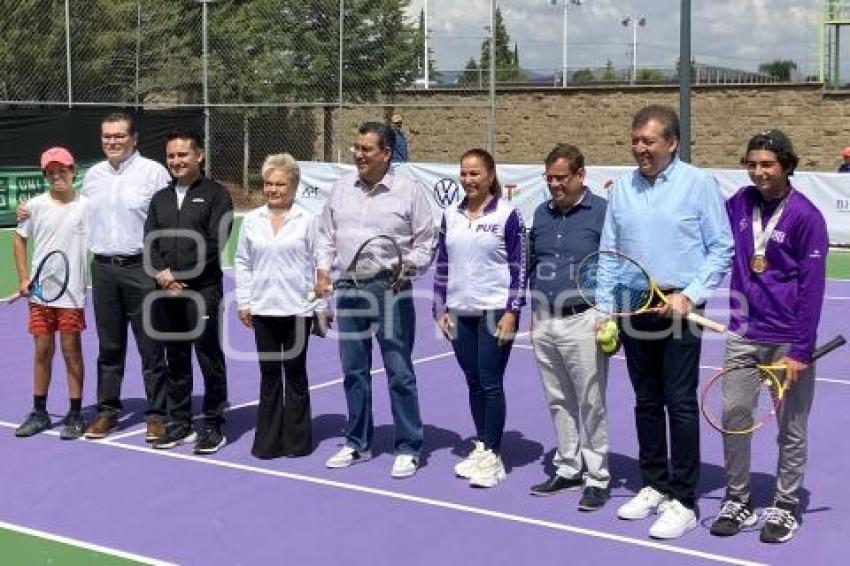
[{"x": 373, "y": 310}]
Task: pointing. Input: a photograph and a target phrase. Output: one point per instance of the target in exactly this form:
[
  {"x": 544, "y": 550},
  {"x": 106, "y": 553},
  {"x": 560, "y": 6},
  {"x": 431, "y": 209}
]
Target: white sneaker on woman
[
  {"x": 488, "y": 471},
  {"x": 463, "y": 469}
]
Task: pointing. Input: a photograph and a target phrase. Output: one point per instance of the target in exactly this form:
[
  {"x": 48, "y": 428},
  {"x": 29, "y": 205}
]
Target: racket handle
[
  {"x": 707, "y": 323},
  {"x": 12, "y": 298},
  {"x": 824, "y": 349}
]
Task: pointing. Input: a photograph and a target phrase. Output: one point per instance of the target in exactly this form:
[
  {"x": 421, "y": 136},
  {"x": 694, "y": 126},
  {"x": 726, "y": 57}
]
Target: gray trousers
[
  {"x": 574, "y": 372},
  {"x": 792, "y": 419}
]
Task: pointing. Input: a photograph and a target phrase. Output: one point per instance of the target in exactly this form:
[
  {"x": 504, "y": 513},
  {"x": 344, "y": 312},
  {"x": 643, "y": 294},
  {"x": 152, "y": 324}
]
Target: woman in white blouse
[{"x": 274, "y": 269}]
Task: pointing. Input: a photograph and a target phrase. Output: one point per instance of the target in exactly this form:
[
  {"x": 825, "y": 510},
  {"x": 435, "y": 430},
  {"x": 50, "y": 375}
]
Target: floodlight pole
[
  {"x": 205, "y": 57},
  {"x": 425, "y": 33},
  {"x": 685, "y": 82},
  {"x": 491, "y": 133}
]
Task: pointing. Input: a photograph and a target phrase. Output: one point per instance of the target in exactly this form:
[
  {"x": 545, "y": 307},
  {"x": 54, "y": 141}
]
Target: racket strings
[
  {"x": 614, "y": 283},
  {"x": 52, "y": 278},
  {"x": 742, "y": 401}
]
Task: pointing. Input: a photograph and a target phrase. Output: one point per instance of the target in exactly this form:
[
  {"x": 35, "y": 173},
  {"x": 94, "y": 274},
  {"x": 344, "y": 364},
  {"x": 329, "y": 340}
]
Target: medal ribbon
[{"x": 761, "y": 234}]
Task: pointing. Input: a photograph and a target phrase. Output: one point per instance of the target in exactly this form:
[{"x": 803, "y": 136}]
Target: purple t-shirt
[{"x": 782, "y": 304}]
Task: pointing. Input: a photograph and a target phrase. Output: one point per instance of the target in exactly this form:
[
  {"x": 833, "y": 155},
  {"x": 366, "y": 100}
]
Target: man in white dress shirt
[{"x": 119, "y": 190}]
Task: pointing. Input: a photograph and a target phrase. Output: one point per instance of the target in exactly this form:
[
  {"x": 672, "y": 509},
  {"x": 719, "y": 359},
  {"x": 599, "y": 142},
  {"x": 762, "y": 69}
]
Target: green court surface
[
  {"x": 838, "y": 264},
  {"x": 34, "y": 550}
]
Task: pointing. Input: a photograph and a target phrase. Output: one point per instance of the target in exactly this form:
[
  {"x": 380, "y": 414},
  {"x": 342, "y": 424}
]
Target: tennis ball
[{"x": 608, "y": 337}]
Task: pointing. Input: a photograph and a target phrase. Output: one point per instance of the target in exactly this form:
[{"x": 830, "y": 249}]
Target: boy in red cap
[{"x": 57, "y": 220}]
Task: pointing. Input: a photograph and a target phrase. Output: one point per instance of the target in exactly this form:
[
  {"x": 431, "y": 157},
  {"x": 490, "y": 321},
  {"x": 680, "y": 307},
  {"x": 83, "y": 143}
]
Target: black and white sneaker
[
  {"x": 175, "y": 436},
  {"x": 210, "y": 441},
  {"x": 733, "y": 517},
  {"x": 779, "y": 525},
  {"x": 36, "y": 422},
  {"x": 73, "y": 427}
]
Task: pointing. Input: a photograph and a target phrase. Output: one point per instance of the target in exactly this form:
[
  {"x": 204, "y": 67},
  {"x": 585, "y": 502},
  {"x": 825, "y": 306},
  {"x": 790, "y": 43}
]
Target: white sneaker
[
  {"x": 463, "y": 469},
  {"x": 641, "y": 505},
  {"x": 404, "y": 466},
  {"x": 347, "y": 456},
  {"x": 675, "y": 520},
  {"x": 488, "y": 470}
]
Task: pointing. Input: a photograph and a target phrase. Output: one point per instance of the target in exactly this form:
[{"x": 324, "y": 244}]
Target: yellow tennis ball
[{"x": 608, "y": 337}]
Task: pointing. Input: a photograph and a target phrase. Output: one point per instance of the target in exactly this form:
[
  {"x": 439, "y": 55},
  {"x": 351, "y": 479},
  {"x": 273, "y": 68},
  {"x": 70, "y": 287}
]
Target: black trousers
[
  {"x": 283, "y": 415},
  {"x": 118, "y": 294},
  {"x": 663, "y": 361},
  {"x": 192, "y": 319}
]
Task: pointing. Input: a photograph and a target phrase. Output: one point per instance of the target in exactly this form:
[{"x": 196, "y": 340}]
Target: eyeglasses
[
  {"x": 114, "y": 137},
  {"x": 560, "y": 179},
  {"x": 363, "y": 148}
]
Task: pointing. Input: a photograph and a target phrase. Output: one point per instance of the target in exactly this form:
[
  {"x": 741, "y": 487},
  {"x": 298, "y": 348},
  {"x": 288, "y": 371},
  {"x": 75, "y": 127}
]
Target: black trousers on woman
[{"x": 283, "y": 415}]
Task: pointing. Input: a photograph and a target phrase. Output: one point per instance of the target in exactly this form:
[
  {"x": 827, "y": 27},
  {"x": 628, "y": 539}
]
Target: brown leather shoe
[
  {"x": 102, "y": 426},
  {"x": 156, "y": 430}
]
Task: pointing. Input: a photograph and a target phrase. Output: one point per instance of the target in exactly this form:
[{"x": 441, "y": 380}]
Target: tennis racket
[
  {"x": 379, "y": 257},
  {"x": 763, "y": 384},
  {"x": 617, "y": 285},
  {"x": 50, "y": 280}
]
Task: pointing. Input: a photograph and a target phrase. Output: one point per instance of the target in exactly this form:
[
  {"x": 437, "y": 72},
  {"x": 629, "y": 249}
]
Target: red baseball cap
[
  {"x": 57, "y": 155},
  {"x": 846, "y": 151}
]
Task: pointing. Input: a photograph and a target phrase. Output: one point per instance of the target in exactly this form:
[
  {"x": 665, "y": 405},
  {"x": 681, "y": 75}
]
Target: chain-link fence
[{"x": 278, "y": 75}]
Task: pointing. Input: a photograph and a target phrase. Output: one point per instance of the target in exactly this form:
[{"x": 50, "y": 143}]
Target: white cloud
[{"x": 732, "y": 33}]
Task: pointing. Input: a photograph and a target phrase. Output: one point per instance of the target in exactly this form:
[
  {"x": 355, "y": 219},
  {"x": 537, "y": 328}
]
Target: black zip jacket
[{"x": 207, "y": 212}]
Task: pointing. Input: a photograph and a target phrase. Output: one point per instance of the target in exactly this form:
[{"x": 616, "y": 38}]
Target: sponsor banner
[
  {"x": 524, "y": 186},
  {"x": 23, "y": 184}
]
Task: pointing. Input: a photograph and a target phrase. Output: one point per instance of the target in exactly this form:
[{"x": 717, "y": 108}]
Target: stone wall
[{"x": 442, "y": 124}]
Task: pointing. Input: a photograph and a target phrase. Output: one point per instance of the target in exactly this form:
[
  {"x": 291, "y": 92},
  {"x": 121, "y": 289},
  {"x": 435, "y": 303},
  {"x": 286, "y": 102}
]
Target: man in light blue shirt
[{"x": 670, "y": 217}]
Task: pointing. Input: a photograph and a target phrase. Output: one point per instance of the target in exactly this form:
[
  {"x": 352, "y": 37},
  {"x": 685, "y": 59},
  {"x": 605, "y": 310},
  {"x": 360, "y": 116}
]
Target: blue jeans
[
  {"x": 483, "y": 363},
  {"x": 374, "y": 311}
]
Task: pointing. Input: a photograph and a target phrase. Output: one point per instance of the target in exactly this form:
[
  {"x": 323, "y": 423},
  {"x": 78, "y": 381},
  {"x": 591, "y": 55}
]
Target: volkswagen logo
[{"x": 446, "y": 192}]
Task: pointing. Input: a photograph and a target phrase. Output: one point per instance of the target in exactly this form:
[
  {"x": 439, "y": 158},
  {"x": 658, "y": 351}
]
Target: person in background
[
  {"x": 776, "y": 296},
  {"x": 187, "y": 227},
  {"x": 400, "y": 145},
  {"x": 274, "y": 265},
  {"x": 57, "y": 221},
  {"x": 479, "y": 289},
  {"x": 845, "y": 160},
  {"x": 573, "y": 369}
]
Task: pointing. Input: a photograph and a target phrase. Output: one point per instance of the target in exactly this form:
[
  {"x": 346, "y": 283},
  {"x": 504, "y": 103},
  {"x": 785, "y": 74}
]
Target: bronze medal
[{"x": 758, "y": 264}]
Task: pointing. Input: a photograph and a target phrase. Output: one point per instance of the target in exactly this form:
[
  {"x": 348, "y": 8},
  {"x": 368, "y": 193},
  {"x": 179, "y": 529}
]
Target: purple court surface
[{"x": 232, "y": 508}]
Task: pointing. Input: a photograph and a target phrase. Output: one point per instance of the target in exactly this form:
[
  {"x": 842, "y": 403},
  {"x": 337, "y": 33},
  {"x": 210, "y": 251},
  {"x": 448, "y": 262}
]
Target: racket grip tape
[
  {"x": 824, "y": 349},
  {"x": 707, "y": 323}
]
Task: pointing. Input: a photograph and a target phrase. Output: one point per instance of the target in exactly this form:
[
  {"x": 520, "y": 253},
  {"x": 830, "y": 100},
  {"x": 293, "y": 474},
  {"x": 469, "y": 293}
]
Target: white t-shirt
[
  {"x": 54, "y": 225},
  {"x": 181, "y": 191}
]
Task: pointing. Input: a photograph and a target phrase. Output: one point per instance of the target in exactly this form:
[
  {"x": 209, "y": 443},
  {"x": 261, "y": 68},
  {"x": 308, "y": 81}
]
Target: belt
[
  {"x": 119, "y": 260},
  {"x": 564, "y": 310}
]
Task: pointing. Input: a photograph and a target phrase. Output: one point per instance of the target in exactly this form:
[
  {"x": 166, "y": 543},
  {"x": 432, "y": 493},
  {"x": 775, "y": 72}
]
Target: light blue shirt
[{"x": 677, "y": 228}]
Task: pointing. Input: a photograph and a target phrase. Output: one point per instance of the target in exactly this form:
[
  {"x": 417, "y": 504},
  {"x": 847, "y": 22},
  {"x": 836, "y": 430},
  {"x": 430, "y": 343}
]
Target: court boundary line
[
  {"x": 83, "y": 544},
  {"x": 427, "y": 501},
  {"x": 322, "y": 385}
]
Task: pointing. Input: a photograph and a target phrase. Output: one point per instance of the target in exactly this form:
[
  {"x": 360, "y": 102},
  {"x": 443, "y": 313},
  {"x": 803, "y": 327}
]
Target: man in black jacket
[{"x": 187, "y": 226}]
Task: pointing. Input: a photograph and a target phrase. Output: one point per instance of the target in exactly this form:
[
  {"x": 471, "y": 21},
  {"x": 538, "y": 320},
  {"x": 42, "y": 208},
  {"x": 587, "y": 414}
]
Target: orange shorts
[{"x": 47, "y": 320}]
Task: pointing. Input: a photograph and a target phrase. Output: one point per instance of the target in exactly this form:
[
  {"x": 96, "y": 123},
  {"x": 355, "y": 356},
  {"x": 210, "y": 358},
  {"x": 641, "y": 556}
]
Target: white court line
[
  {"x": 439, "y": 503},
  {"x": 143, "y": 429},
  {"x": 82, "y": 544}
]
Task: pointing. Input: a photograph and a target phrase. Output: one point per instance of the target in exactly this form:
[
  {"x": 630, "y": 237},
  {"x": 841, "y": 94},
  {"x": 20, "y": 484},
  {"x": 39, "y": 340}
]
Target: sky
[{"x": 738, "y": 34}]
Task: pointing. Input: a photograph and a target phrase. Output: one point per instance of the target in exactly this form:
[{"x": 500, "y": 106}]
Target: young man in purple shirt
[{"x": 777, "y": 288}]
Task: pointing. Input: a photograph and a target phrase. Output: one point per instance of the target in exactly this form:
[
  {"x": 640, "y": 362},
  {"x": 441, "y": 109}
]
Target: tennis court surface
[{"x": 117, "y": 501}]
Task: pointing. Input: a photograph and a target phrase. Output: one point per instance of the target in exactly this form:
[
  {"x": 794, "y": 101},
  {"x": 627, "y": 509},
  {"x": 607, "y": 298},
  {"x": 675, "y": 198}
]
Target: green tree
[
  {"x": 507, "y": 61},
  {"x": 32, "y": 50},
  {"x": 472, "y": 75},
  {"x": 583, "y": 76},
  {"x": 650, "y": 75},
  {"x": 610, "y": 74},
  {"x": 780, "y": 69}
]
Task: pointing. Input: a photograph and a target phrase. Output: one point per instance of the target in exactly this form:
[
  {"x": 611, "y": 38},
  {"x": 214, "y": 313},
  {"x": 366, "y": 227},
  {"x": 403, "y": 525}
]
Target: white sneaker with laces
[
  {"x": 641, "y": 505},
  {"x": 488, "y": 470},
  {"x": 347, "y": 456},
  {"x": 404, "y": 466},
  {"x": 463, "y": 469},
  {"x": 675, "y": 520}
]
